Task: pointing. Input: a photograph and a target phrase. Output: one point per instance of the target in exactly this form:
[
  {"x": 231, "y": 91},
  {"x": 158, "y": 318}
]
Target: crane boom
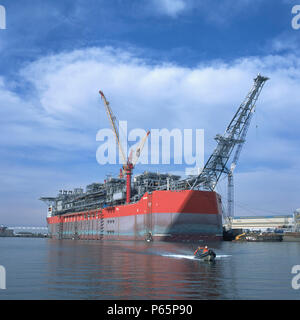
[
  {"x": 240, "y": 145},
  {"x": 139, "y": 149},
  {"x": 113, "y": 123},
  {"x": 233, "y": 136}
]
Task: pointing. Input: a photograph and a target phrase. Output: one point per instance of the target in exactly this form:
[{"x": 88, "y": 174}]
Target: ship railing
[{"x": 81, "y": 207}]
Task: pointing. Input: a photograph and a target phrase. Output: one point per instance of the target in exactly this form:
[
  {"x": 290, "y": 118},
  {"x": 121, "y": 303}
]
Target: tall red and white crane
[{"x": 130, "y": 162}]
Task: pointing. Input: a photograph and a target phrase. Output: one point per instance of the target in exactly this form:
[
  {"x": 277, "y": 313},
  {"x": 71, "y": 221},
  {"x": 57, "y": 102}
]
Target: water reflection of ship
[
  {"x": 160, "y": 277},
  {"x": 116, "y": 270}
]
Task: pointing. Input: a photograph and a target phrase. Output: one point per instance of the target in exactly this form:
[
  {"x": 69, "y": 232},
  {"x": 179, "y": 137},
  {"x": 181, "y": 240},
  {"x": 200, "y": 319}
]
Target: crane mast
[
  {"x": 230, "y": 186},
  {"x": 230, "y": 201},
  {"x": 233, "y": 136}
]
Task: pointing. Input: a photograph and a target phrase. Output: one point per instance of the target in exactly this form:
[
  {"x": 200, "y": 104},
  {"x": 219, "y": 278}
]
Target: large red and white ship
[
  {"x": 163, "y": 215},
  {"x": 153, "y": 205}
]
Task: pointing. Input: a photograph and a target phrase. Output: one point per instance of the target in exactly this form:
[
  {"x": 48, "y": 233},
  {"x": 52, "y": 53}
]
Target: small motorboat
[{"x": 205, "y": 254}]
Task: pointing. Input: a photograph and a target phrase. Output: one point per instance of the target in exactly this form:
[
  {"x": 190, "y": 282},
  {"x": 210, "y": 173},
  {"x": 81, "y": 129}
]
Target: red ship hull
[{"x": 166, "y": 215}]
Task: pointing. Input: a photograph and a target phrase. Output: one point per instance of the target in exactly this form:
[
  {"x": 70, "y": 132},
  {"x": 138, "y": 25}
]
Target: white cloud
[
  {"x": 64, "y": 97},
  {"x": 213, "y": 11},
  {"x": 64, "y": 106},
  {"x": 170, "y": 7},
  {"x": 285, "y": 42}
]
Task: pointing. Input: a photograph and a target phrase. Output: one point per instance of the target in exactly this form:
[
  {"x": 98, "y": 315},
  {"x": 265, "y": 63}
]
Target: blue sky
[{"x": 162, "y": 64}]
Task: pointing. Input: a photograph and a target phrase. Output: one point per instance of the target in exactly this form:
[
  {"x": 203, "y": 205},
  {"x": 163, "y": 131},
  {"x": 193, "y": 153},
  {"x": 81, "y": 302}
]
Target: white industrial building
[{"x": 264, "y": 223}]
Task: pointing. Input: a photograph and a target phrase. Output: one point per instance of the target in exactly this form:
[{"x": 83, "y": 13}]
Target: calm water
[{"x": 53, "y": 269}]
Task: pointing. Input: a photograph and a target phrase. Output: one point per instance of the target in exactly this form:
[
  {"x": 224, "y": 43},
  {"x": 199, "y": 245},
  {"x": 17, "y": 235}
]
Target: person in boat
[
  {"x": 149, "y": 237},
  {"x": 200, "y": 249},
  {"x": 205, "y": 253}
]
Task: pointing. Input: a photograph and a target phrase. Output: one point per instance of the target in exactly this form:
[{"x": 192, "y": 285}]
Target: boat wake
[
  {"x": 220, "y": 256},
  {"x": 191, "y": 257},
  {"x": 179, "y": 256}
]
